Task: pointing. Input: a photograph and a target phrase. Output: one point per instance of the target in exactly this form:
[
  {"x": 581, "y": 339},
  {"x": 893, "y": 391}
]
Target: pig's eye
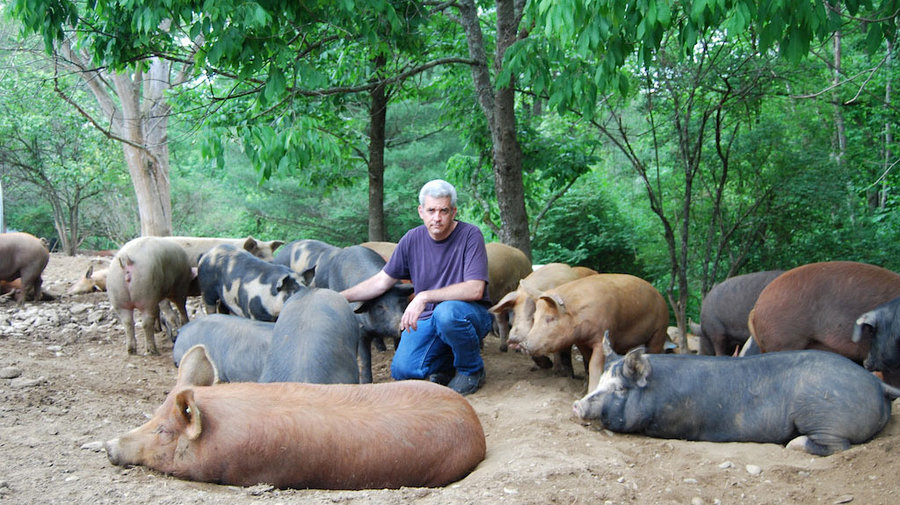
[{"x": 163, "y": 433}]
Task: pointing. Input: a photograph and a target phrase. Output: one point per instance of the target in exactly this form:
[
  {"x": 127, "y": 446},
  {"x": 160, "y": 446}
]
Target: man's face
[{"x": 438, "y": 215}]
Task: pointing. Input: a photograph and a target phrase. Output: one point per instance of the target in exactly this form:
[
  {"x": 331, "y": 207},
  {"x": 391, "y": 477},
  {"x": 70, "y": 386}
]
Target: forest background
[{"x": 680, "y": 141}]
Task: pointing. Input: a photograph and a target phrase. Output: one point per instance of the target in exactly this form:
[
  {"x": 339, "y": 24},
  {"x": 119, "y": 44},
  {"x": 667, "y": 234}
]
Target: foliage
[
  {"x": 587, "y": 228},
  {"x": 589, "y": 42},
  {"x": 52, "y": 153}
]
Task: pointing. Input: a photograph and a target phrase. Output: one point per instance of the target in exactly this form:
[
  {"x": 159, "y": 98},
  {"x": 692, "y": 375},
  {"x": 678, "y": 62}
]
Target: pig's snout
[{"x": 579, "y": 408}]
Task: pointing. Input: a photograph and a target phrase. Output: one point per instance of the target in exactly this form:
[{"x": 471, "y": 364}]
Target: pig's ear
[
  {"x": 637, "y": 366},
  {"x": 308, "y": 275},
  {"x": 360, "y": 307},
  {"x": 867, "y": 323},
  {"x": 529, "y": 288},
  {"x": 187, "y": 412},
  {"x": 555, "y": 301},
  {"x": 506, "y": 303},
  {"x": 608, "y": 352},
  {"x": 196, "y": 369},
  {"x": 404, "y": 289},
  {"x": 89, "y": 273}
]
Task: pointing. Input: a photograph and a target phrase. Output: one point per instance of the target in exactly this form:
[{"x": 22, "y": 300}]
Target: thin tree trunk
[
  {"x": 888, "y": 135},
  {"x": 840, "y": 135},
  {"x": 377, "y": 122}
]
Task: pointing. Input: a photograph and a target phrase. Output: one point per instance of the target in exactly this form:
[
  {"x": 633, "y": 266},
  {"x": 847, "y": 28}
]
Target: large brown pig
[
  {"x": 384, "y": 249},
  {"x": 507, "y": 265},
  {"x": 520, "y": 303},
  {"x": 295, "y": 435},
  {"x": 24, "y": 256},
  {"x": 146, "y": 271},
  {"x": 580, "y": 312},
  {"x": 816, "y": 306},
  {"x": 197, "y": 246}
]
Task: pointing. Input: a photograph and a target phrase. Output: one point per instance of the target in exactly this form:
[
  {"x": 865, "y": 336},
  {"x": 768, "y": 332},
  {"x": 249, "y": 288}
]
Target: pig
[
  {"x": 13, "y": 288},
  {"x": 91, "y": 282},
  {"x": 237, "y": 346},
  {"x": 580, "y": 312},
  {"x": 384, "y": 249},
  {"x": 815, "y": 401},
  {"x": 314, "y": 340},
  {"x": 724, "y": 312},
  {"x": 521, "y": 302},
  {"x": 378, "y": 318},
  {"x": 882, "y": 325},
  {"x": 23, "y": 256},
  {"x": 234, "y": 281},
  {"x": 506, "y": 267},
  {"x": 198, "y": 246},
  {"x": 815, "y": 306},
  {"x": 146, "y": 271},
  {"x": 296, "y": 435},
  {"x": 301, "y": 256}
]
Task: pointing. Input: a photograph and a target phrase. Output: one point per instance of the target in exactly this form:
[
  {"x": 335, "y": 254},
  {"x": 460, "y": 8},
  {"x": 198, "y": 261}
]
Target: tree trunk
[
  {"x": 140, "y": 123},
  {"x": 499, "y": 109},
  {"x": 377, "y": 122},
  {"x": 888, "y": 135},
  {"x": 840, "y": 135}
]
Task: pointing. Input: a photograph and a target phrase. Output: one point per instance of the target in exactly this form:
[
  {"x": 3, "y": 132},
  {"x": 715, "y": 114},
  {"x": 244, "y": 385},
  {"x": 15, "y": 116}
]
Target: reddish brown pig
[
  {"x": 520, "y": 303},
  {"x": 296, "y": 435},
  {"x": 24, "y": 256},
  {"x": 507, "y": 265},
  {"x": 91, "y": 282},
  {"x": 146, "y": 271},
  {"x": 816, "y": 306},
  {"x": 582, "y": 311}
]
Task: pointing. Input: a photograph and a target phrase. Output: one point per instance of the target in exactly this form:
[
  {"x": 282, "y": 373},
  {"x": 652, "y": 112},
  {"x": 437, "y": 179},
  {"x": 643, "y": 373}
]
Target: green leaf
[{"x": 874, "y": 37}]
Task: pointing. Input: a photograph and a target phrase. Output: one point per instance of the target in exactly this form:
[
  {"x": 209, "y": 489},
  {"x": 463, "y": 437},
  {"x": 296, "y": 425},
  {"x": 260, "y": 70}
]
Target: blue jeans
[{"x": 450, "y": 338}]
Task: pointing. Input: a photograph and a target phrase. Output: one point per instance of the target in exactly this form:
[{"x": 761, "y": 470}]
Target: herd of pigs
[{"x": 279, "y": 343}]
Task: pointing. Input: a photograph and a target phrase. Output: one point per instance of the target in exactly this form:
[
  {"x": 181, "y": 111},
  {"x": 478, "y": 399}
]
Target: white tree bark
[{"x": 136, "y": 114}]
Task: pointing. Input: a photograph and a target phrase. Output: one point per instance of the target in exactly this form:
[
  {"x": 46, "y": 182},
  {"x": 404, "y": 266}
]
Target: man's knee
[
  {"x": 403, "y": 370},
  {"x": 452, "y": 317}
]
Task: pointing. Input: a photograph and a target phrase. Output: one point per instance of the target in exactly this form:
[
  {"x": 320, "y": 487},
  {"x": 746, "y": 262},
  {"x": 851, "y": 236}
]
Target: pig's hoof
[{"x": 504, "y": 347}]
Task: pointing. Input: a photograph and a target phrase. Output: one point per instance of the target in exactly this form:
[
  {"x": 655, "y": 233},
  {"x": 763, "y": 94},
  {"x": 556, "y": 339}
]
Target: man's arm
[
  {"x": 466, "y": 291},
  {"x": 370, "y": 288}
]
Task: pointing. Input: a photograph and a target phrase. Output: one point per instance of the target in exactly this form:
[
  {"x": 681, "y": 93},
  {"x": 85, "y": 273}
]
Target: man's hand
[{"x": 412, "y": 312}]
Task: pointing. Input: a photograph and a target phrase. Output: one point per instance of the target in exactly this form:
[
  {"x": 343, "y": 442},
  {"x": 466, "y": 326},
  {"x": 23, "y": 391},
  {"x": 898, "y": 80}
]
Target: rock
[
  {"x": 10, "y": 372},
  {"x": 726, "y": 465},
  {"x": 80, "y": 308},
  {"x": 22, "y": 383},
  {"x": 753, "y": 469}
]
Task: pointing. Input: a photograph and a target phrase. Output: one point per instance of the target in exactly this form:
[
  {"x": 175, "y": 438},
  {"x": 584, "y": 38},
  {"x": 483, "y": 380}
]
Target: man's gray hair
[{"x": 438, "y": 188}]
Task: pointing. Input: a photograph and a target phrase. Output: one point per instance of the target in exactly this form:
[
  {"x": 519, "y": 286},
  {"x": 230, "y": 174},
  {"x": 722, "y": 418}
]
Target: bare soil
[{"x": 76, "y": 387}]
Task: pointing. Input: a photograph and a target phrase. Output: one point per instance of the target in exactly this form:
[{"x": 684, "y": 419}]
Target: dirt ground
[{"x": 67, "y": 385}]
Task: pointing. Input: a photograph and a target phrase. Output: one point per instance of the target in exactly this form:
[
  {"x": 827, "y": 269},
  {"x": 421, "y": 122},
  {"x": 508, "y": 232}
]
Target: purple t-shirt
[{"x": 432, "y": 264}]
